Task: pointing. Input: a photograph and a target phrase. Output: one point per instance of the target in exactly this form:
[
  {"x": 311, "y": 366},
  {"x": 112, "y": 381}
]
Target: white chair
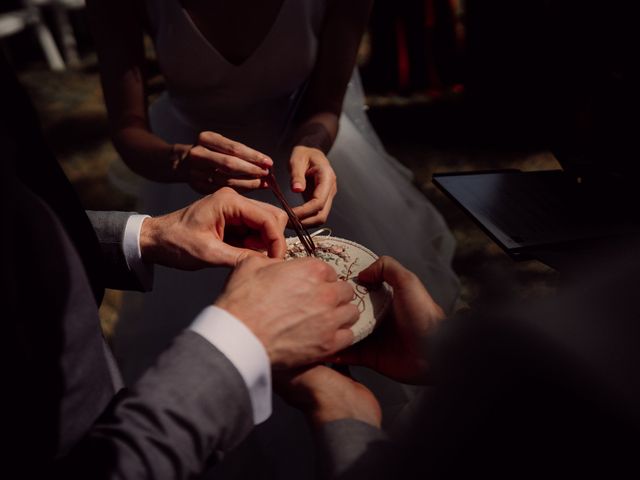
[
  {"x": 61, "y": 17},
  {"x": 29, "y": 17}
]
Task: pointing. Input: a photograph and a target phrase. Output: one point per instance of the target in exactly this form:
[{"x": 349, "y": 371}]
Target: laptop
[{"x": 528, "y": 212}]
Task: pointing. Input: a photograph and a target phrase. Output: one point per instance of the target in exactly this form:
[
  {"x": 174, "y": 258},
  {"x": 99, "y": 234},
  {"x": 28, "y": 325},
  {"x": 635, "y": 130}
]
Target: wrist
[
  {"x": 149, "y": 240},
  {"x": 314, "y": 135},
  {"x": 307, "y": 148},
  {"x": 234, "y": 307}
]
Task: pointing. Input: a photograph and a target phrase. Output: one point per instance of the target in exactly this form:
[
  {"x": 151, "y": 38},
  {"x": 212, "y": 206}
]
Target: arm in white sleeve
[
  {"x": 118, "y": 234},
  {"x": 133, "y": 254},
  {"x": 238, "y": 343}
]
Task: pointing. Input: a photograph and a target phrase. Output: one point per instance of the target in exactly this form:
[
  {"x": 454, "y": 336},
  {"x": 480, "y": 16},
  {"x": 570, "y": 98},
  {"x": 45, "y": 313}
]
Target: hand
[
  {"x": 297, "y": 309},
  {"x": 325, "y": 395},
  {"x": 216, "y": 161},
  {"x": 204, "y": 233},
  {"x": 311, "y": 162},
  {"x": 397, "y": 348}
]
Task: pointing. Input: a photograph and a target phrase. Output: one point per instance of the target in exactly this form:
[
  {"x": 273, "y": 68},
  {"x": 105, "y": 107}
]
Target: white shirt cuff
[
  {"x": 132, "y": 253},
  {"x": 238, "y": 343}
]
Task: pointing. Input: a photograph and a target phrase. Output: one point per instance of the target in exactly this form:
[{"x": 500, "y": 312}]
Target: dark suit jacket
[
  {"x": 63, "y": 417},
  {"x": 549, "y": 389}
]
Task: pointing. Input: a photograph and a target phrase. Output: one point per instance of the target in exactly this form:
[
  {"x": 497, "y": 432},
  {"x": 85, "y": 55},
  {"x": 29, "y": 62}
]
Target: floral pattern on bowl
[{"x": 348, "y": 259}]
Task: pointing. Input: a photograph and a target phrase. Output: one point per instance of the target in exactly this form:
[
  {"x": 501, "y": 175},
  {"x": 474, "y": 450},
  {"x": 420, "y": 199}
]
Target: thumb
[
  {"x": 299, "y": 164},
  {"x": 387, "y": 269}
]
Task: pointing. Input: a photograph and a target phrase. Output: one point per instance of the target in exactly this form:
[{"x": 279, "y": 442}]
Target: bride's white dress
[{"x": 253, "y": 103}]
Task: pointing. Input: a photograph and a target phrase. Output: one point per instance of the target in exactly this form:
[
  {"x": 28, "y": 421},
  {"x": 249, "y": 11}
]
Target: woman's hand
[
  {"x": 216, "y": 161},
  {"x": 311, "y": 162}
]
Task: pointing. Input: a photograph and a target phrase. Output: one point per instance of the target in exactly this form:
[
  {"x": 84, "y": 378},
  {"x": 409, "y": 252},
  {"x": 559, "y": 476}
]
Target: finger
[
  {"x": 254, "y": 261},
  {"x": 388, "y": 269},
  {"x": 327, "y": 272},
  {"x": 209, "y": 161},
  {"x": 346, "y": 315},
  {"x": 325, "y": 186},
  {"x": 314, "y": 268},
  {"x": 273, "y": 238},
  {"x": 278, "y": 213},
  {"x": 299, "y": 163},
  {"x": 321, "y": 216},
  {"x": 242, "y": 185},
  {"x": 235, "y": 166},
  {"x": 342, "y": 339},
  {"x": 325, "y": 181},
  {"x": 215, "y": 141},
  {"x": 334, "y": 294},
  {"x": 345, "y": 292},
  {"x": 257, "y": 217},
  {"x": 254, "y": 240},
  {"x": 308, "y": 209},
  {"x": 227, "y": 255}
]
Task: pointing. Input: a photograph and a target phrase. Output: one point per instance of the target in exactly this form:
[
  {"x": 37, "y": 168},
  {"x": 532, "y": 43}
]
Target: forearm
[
  {"x": 117, "y": 27},
  {"x": 150, "y": 156},
  {"x": 318, "y": 131},
  {"x": 321, "y": 105}
]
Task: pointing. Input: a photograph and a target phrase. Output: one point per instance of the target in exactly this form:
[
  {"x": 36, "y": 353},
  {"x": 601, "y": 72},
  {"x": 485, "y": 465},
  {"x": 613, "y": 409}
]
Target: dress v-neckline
[{"x": 219, "y": 54}]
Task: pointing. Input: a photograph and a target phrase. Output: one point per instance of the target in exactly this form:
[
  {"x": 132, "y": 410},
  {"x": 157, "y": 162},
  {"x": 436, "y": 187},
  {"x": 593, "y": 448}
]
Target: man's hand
[
  {"x": 325, "y": 395},
  {"x": 210, "y": 231},
  {"x": 397, "y": 348},
  {"x": 312, "y": 162},
  {"x": 297, "y": 309}
]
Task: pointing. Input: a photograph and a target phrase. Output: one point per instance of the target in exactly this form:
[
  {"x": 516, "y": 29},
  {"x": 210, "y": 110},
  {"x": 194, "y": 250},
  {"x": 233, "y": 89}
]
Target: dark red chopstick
[{"x": 301, "y": 232}]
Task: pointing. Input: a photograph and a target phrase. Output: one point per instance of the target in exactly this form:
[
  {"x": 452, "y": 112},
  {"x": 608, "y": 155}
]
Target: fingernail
[
  {"x": 267, "y": 161},
  {"x": 297, "y": 187}
]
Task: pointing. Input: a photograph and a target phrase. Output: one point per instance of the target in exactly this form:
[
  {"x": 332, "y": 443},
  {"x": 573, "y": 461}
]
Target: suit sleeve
[
  {"x": 110, "y": 230},
  {"x": 183, "y": 414},
  {"x": 351, "y": 449}
]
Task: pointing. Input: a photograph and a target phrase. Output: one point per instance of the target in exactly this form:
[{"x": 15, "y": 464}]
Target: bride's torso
[{"x": 250, "y": 97}]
